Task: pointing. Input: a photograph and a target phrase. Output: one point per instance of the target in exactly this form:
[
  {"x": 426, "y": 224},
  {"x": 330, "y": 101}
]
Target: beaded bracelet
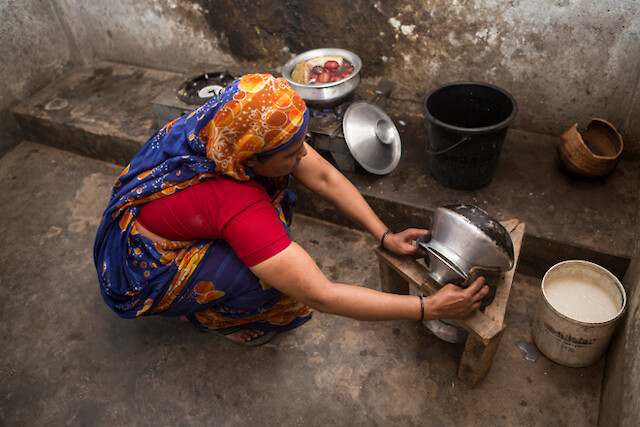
[{"x": 383, "y": 236}]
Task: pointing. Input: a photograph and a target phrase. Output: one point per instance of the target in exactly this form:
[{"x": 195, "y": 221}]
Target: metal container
[
  {"x": 564, "y": 339},
  {"x": 464, "y": 236},
  {"x": 325, "y": 95}
]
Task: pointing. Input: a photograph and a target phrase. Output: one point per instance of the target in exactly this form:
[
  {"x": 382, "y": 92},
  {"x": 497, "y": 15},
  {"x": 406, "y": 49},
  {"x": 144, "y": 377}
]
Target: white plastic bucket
[{"x": 574, "y": 327}]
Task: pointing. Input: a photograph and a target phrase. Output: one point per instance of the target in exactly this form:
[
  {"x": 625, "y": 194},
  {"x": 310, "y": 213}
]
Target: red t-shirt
[{"x": 238, "y": 212}]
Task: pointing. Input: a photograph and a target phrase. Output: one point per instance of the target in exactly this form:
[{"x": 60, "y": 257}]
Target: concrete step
[{"x": 105, "y": 112}]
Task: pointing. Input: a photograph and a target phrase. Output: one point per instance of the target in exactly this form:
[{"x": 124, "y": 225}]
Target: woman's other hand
[
  {"x": 404, "y": 243},
  {"x": 454, "y": 302}
]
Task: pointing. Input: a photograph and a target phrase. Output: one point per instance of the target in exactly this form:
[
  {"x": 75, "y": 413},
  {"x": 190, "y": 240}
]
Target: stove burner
[
  {"x": 209, "y": 91},
  {"x": 334, "y": 113},
  {"x": 199, "y": 89}
]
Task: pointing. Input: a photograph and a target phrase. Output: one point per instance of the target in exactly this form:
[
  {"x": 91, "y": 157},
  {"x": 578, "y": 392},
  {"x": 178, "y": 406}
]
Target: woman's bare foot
[{"x": 244, "y": 335}]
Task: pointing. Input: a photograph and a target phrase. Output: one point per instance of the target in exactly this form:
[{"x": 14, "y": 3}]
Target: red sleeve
[
  {"x": 238, "y": 212},
  {"x": 256, "y": 233}
]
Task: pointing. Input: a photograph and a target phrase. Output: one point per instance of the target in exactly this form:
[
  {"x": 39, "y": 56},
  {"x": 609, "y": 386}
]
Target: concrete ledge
[
  {"x": 537, "y": 256},
  {"x": 103, "y": 112},
  {"x": 67, "y": 136}
]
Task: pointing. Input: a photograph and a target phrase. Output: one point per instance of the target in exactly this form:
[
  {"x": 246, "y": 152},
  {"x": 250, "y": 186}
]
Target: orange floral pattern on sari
[
  {"x": 207, "y": 292},
  {"x": 282, "y": 313}
]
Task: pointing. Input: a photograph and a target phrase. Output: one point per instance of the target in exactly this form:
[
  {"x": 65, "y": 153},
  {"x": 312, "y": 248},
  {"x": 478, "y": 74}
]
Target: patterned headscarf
[{"x": 258, "y": 113}]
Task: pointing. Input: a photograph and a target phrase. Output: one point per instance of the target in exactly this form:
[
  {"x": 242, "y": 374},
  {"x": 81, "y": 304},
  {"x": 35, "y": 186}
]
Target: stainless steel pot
[
  {"x": 464, "y": 236},
  {"x": 328, "y": 94}
]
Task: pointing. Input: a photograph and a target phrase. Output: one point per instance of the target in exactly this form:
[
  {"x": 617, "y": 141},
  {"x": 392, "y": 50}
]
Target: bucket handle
[{"x": 448, "y": 148}]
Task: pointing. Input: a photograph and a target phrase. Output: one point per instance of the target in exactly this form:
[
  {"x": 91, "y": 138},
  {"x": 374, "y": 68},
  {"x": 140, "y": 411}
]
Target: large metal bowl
[
  {"x": 464, "y": 236},
  {"x": 328, "y": 94}
]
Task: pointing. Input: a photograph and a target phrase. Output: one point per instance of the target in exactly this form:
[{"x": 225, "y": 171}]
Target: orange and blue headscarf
[{"x": 256, "y": 114}]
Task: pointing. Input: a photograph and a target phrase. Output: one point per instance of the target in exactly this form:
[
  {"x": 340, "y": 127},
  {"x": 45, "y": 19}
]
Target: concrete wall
[
  {"x": 620, "y": 397},
  {"x": 37, "y": 47},
  {"x": 563, "y": 60}
]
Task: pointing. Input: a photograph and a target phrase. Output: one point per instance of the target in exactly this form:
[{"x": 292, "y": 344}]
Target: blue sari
[{"x": 203, "y": 280}]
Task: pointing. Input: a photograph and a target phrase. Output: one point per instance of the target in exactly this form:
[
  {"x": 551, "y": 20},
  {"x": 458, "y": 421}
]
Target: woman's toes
[
  {"x": 245, "y": 335},
  {"x": 255, "y": 333}
]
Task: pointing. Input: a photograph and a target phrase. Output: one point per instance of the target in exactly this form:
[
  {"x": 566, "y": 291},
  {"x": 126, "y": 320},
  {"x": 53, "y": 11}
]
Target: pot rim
[
  {"x": 450, "y": 216},
  {"x": 595, "y": 267},
  {"x": 471, "y": 131},
  {"x": 446, "y": 261},
  {"x": 583, "y": 144}
]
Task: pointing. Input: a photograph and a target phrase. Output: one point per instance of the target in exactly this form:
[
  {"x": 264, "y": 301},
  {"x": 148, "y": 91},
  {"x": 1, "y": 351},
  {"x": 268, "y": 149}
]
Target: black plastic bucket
[{"x": 467, "y": 126}]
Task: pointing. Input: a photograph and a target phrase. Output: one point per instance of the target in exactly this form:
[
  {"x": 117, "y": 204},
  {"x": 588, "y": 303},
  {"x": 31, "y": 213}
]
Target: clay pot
[{"x": 592, "y": 153}]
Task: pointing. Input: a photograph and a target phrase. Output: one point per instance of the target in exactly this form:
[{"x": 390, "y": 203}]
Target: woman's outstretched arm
[
  {"x": 319, "y": 176},
  {"x": 294, "y": 273}
]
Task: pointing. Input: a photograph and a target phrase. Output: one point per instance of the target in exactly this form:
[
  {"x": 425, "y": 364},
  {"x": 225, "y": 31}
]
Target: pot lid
[{"x": 371, "y": 137}]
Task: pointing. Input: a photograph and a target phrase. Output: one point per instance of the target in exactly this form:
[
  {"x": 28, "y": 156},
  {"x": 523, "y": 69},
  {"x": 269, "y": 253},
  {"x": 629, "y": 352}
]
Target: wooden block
[
  {"x": 477, "y": 359},
  {"x": 409, "y": 269},
  {"x": 391, "y": 281},
  {"x": 510, "y": 224},
  {"x": 415, "y": 274},
  {"x": 480, "y": 326}
]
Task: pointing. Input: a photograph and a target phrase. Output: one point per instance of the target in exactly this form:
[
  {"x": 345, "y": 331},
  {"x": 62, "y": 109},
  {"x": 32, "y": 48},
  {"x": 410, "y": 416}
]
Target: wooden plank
[
  {"x": 498, "y": 307},
  {"x": 480, "y": 325},
  {"x": 510, "y": 224},
  {"x": 477, "y": 359},
  {"x": 409, "y": 269},
  {"x": 391, "y": 281},
  {"x": 485, "y": 329},
  {"x": 477, "y": 323}
]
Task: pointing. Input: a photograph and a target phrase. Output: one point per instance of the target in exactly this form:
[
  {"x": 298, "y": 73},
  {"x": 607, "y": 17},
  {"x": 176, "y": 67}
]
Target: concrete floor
[{"x": 65, "y": 358}]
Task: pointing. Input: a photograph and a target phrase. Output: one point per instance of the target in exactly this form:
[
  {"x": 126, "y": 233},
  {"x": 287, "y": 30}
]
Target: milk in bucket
[{"x": 578, "y": 309}]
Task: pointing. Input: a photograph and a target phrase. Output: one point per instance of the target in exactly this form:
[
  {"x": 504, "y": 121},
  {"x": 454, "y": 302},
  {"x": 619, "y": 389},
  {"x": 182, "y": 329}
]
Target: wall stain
[{"x": 261, "y": 29}]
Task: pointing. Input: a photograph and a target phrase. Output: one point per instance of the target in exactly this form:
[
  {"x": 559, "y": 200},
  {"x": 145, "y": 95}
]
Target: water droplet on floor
[{"x": 531, "y": 352}]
